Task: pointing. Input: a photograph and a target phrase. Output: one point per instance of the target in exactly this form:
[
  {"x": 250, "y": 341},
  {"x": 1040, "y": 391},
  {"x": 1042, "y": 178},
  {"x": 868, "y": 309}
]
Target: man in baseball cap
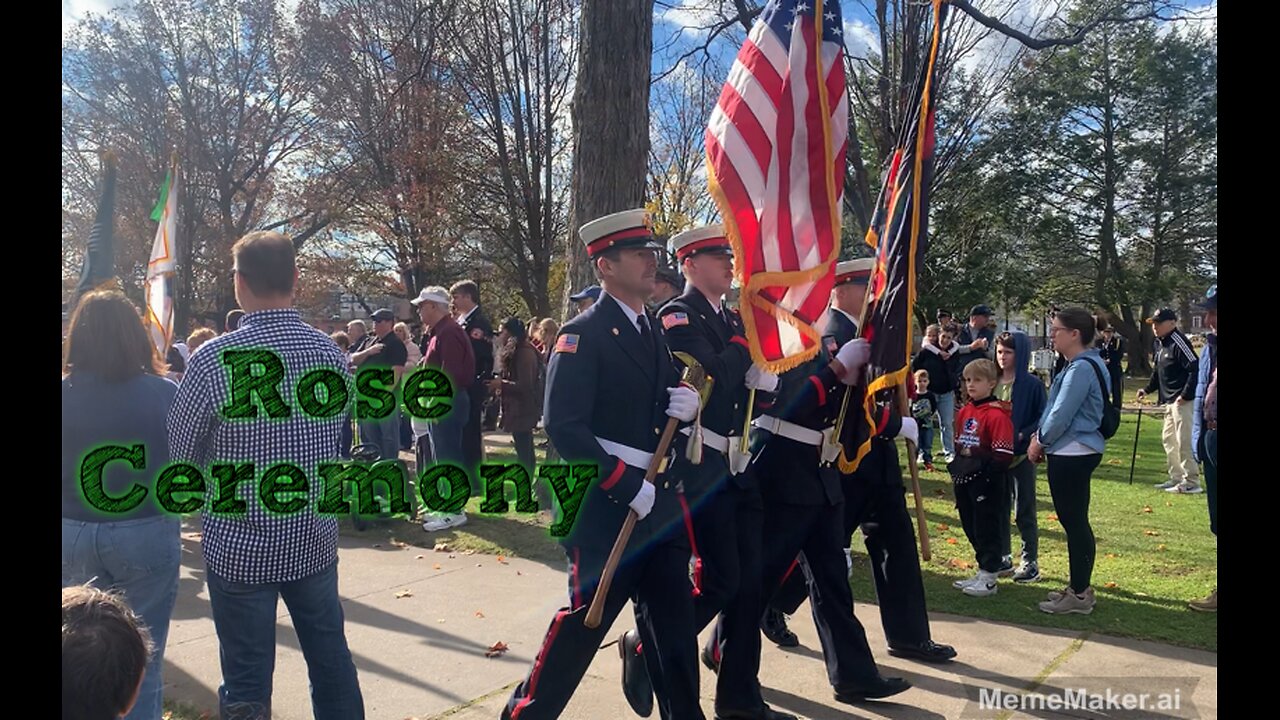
[{"x": 1176, "y": 371}]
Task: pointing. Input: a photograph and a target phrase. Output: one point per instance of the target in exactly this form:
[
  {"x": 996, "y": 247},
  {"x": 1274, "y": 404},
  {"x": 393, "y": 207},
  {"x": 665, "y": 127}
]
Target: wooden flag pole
[{"x": 904, "y": 403}]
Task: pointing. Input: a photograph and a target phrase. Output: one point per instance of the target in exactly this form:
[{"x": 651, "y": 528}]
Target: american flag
[{"x": 775, "y": 164}]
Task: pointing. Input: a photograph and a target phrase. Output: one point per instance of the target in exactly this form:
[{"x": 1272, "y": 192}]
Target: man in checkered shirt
[{"x": 255, "y": 556}]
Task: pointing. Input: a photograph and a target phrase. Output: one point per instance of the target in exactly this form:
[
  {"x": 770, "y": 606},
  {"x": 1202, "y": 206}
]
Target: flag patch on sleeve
[
  {"x": 674, "y": 319},
  {"x": 567, "y": 343}
]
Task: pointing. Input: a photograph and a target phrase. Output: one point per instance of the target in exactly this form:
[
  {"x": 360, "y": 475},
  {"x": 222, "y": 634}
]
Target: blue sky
[{"x": 673, "y": 20}]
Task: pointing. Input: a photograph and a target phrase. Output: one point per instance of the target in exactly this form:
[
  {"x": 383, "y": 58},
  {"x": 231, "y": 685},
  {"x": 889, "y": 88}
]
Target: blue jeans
[
  {"x": 445, "y": 436},
  {"x": 947, "y": 418},
  {"x": 245, "y": 619},
  {"x": 384, "y": 433},
  {"x": 141, "y": 559},
  {"x": 926, "y": 440}
]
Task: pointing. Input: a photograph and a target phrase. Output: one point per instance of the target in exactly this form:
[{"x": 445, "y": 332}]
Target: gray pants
[{"x": 1022, "y": 496}]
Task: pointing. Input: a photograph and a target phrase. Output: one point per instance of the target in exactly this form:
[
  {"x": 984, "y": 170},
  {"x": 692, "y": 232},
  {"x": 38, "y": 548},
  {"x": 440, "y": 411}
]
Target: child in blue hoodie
[{"x": 1025, "y": 395}]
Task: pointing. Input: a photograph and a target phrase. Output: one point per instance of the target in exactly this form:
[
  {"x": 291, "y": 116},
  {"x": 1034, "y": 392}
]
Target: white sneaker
[
  {"x": 1166, "y": 484},
  {"x": 435, "y": 523},
  {"x": 962, "y": 584},
  {"x": 1185, "y": 488},
  {"x": 982, "y": 586}
]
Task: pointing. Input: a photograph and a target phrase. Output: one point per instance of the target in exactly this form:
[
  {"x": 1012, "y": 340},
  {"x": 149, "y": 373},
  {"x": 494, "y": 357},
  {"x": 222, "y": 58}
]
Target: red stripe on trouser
[
  {"x": 537, "y": 664},
  {"x": 790, "y": 570},
  {"x": 693, "y": 545}
]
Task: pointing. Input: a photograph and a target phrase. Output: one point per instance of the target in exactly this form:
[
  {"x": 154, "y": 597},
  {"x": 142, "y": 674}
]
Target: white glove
[
  {"x": 910, "y": 430},
  {"x": 760, "y": 379},
  {"x": 683, "y": 404},
  {"x": 642, "y": 503},
  {"x": 853, "y": 355}
]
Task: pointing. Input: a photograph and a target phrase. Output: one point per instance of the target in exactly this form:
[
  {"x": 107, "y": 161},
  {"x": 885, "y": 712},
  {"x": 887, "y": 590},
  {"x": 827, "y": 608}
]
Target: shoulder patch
[
  {"x": 567, "y": 343},
  {"x": 671, "y": 320}
]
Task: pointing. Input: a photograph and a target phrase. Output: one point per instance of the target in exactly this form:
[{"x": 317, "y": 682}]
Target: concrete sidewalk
[{"x": 423, "y": 655}]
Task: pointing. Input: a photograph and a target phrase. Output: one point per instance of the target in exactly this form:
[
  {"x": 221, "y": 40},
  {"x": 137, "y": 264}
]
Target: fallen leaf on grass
[
  {"x": 1052, "y": 518},
  {"x": 496, "y": 649},
  {"x": 1147, "y": 509},
  {"x": 1114, "y": 461},
  {"x": 1112, "y": 556},
  {"x": 958, "y": 563},
  {"x": 951, "y": 541},
  {"x": 1111, "y": 586},
  {"x": 939, "y": 492},
  {"x": 1160, "y": 547},
  {"x": 1151, "y": 533},
  {"x": 943, "y": 527},
  {"x": 404, "y": 594}
]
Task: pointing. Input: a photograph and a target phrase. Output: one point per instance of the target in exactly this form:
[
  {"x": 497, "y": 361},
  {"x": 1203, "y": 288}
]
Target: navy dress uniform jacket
[
  {"x": 604, "y": 382},
  {"x": 695, "y": 327},
  {"x": 809, "y": 396}
]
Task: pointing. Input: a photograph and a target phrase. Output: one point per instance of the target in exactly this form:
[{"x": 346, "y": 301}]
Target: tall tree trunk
[{"x": 610, "y": 120}]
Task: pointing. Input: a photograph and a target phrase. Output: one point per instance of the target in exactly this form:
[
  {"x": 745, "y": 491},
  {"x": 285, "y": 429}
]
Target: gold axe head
[{"x": 695, "y": 376}]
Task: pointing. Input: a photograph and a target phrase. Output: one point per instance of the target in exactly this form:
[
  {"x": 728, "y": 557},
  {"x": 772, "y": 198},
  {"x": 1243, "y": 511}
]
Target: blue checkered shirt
[{"x": 260, "y": 546}]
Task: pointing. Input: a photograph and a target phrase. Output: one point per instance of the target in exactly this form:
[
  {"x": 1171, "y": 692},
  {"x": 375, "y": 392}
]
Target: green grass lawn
[{"x": 1155, "y": 551}]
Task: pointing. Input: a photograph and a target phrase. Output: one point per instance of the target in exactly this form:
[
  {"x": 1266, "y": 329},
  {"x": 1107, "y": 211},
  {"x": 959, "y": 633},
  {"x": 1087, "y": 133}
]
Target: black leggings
[{"x": 1069, "y": 477}]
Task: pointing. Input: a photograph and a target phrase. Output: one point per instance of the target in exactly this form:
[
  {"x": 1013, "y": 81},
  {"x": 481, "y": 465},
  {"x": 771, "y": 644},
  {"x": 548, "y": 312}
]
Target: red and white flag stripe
[{"x": 775, "y": 155}]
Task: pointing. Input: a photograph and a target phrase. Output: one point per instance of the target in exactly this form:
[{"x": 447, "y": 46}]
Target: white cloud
[
  {"x": 860, "y": 40},
  {"x": 689, "y": 16}
]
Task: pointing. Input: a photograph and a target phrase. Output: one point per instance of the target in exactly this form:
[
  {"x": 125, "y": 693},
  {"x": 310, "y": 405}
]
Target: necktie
[{"x": 645, "y": 335}]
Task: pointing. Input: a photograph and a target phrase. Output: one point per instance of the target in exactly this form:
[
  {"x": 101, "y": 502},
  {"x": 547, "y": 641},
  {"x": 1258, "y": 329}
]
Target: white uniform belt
[
  {"x": 638, "y": 459},
  {"x": 789, "y": 430},
  {"x": 712, "y": 439}
]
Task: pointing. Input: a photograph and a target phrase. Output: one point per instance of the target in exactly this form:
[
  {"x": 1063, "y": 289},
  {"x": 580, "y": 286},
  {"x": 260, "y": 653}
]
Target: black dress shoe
[
  {"x": 636, "y": 686},
  {"x": 882, "y": 688},
  {"x": 927, "y": 651},
  {"x": 774, "y": 627},
  {"x": 764, "y": 713}
]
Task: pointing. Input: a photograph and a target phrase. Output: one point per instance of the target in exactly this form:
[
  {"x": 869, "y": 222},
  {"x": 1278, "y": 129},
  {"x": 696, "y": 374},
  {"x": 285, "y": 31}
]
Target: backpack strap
[{"x": 1102, "y": 384}]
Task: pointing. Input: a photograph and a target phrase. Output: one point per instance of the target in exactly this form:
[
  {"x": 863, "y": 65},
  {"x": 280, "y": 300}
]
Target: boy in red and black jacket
[{"x": 984, "y": 449}]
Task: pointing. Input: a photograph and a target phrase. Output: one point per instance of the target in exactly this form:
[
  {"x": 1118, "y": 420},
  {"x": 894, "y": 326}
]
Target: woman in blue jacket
[{"x": 1069, "y": 436}]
